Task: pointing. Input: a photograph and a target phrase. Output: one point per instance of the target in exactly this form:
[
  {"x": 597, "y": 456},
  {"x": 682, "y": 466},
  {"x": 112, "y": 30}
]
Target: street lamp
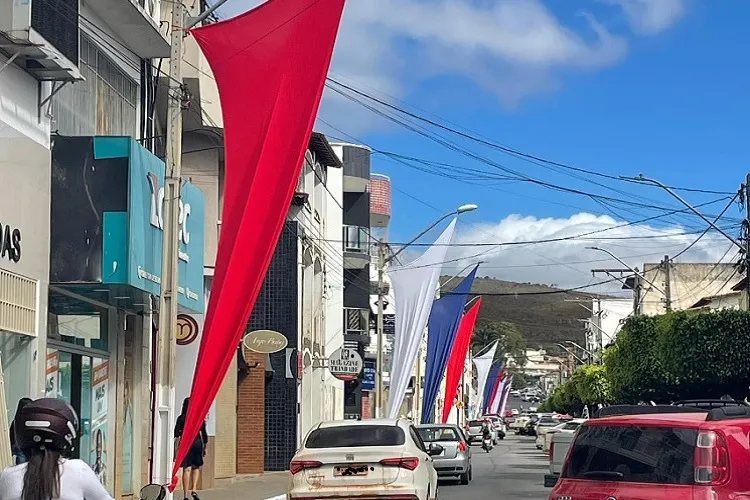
[
  {"x": 384, "y": 259},
  {"x": 638, "y": 276}
]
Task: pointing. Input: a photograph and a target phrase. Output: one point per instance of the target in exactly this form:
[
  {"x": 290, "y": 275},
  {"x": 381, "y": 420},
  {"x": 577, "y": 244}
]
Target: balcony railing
[{"x": 356, "y": 239}]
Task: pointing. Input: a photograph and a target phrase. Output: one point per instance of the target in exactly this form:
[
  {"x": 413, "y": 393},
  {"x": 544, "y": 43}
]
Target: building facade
[{"x": 357, "y": 248}]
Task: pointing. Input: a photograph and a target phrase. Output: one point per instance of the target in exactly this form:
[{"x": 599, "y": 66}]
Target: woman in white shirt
[{"x": 46, "y": 430}]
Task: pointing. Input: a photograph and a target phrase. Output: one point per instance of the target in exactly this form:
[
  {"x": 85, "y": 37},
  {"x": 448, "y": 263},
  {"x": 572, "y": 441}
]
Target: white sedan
[{"x": 372, "y": 459}]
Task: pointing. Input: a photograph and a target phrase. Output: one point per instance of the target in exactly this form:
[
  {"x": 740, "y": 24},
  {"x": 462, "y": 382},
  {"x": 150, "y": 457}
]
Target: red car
[{"x": 659, "y": 453}]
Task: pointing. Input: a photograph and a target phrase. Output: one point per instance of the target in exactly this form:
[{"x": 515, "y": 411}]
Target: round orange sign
[{"x": 187, "y": 329}]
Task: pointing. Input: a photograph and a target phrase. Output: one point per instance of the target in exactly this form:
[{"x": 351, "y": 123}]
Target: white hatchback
[{"x": 363, "y": 460}]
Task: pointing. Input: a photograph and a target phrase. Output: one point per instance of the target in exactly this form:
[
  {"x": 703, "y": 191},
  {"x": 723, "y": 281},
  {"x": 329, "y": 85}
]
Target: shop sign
[
  {"x": 345, "y": 364},
  {"x": 187, "y": 329},
  {"x": 132, "y": 246},
  {"x": 265, "y": 341},
  {"x": 368, "y": 378},
  {"x": 10, "y": 243}
]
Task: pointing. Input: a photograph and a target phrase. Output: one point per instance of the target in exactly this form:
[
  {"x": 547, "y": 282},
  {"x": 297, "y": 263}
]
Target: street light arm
[
  {"x": 572, "y": 354},
  {"x": 637, "y": 273},
  {"x": 666, "y": 188},
  {"x": 395, "y": 254}
]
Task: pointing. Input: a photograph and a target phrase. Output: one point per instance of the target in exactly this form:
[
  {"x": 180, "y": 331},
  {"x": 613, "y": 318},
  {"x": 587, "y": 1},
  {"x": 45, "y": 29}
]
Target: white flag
[
  {"x": 414, "y": 287},
  {"x": 483, "y": 364}
]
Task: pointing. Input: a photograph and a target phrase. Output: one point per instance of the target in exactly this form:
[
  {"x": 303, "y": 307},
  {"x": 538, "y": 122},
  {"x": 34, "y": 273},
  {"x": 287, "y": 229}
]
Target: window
[
  {"x": 661, "y": 455},
  {"x": 356, "y": 239},
  {"x": 15, "y": 354},
  {"x": 417, "y": 439},
  {"x": 571, "y": 426},
  {"x": 355, "y": 436},
  {"x": 105, "y": 103},
  {"x": 433, "y": 434}
]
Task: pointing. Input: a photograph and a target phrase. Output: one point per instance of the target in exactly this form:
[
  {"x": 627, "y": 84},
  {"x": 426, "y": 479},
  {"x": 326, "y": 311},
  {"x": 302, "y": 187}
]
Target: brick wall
[{"x": 251, "y": 414}]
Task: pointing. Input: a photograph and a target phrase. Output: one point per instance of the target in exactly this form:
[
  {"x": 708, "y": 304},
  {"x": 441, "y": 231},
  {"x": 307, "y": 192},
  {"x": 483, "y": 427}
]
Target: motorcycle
[{"x": 487, "y": 444}]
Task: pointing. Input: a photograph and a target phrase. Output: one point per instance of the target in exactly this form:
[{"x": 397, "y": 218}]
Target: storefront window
[
  {"x": 82, "y": 330},
  {"x": 16, "y": 359}
]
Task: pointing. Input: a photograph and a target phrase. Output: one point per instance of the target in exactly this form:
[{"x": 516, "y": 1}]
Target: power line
[{"x": 495, "y": 145}]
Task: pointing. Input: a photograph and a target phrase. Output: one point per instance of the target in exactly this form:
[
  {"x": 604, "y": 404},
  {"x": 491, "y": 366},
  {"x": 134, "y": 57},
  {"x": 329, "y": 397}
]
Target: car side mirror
[{"x": 434, "y": 449}]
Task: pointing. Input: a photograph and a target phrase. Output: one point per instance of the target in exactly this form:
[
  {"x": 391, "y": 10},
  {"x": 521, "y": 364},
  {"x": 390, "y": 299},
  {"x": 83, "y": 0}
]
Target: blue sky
[{"x": 621, "y": 87}]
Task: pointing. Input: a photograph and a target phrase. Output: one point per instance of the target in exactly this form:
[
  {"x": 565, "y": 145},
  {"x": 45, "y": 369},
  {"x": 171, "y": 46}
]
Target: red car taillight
[
  {"x": 711, "y": 458},
  {"x": 300, "y": 465},
  {"x": 461, "y": 446},
  {"x": 408, "y": 463}
]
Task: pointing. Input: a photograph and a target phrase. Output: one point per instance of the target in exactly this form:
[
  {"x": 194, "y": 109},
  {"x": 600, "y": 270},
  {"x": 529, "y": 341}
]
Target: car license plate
[{"x": 350, "y": 470}]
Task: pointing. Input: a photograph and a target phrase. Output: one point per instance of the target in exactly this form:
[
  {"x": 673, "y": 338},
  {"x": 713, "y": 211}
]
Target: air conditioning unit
[{"x": 42, "y": 36}]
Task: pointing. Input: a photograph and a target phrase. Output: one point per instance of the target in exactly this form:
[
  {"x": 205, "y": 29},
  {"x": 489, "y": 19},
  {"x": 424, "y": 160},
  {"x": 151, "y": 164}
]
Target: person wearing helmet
[{"x": 46, "y": 431}]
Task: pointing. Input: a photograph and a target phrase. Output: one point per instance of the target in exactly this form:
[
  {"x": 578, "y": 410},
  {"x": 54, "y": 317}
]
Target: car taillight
[
  {"x": 300, "y": 465},
  {"x": 551, "y": 451},
  {"x": 409, "y": 463},
  {"x": 461, "y": 446},
  {"x": 711, "y": 458}
]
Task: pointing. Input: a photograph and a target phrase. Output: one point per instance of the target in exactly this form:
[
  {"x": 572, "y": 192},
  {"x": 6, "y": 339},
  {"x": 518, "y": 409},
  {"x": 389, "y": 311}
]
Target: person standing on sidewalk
[{"x": 191, "y": 465}]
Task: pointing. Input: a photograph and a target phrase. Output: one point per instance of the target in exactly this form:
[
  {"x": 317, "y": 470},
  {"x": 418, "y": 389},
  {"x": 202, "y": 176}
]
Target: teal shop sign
[{"x": 132, "y": 243}]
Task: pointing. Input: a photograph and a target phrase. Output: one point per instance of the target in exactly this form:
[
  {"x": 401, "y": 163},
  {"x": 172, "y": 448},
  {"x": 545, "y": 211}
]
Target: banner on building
[
  {"x": 414, "y": 287},
  {"x": 268, "y": 121},
  {"x": 442, "y": 327}
]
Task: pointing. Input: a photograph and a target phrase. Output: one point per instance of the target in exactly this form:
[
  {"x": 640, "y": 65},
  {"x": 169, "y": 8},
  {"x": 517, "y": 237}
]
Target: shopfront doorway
[{"x": 79, "y": 371}]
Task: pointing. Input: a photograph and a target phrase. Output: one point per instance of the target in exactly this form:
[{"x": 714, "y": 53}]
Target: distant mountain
[{"x": 544, "y": 318}]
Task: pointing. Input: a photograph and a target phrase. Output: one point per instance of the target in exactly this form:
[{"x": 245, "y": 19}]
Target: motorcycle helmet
[{"x": 47, "y": 423}]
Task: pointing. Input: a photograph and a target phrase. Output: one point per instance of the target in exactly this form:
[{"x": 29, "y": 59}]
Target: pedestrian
[
  {"x": 18, "y": 456},
  {"x": 46, "y": 430},
  {"x": 191, "y": 465}
]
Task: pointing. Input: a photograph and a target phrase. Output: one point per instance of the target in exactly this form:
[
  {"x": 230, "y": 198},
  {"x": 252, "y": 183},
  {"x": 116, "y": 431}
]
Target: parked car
[
  {"x": 557, "y": 444},
  {"x": 455, "y": 460},
  {"x": 658, "y": 452},
  {"x": 369, "y": 457},
  {"x": 545, "y": 424},
  {"x": 519, "y": 424},
  {"x": 515, "y": 393},
  {"x": 474, "y": 431}
]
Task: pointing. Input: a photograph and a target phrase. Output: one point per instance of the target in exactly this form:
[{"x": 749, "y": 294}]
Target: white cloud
[
  {"x": 568, "y": 263},
  {"x": 651, "y": 16},
  {"x": 513, "y": 48}
]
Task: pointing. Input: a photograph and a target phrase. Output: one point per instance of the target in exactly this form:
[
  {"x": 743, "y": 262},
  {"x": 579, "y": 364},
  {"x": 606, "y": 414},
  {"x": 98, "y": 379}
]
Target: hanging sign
[
  {"x": 264, "y": 341},
  {"x": 345, "y": 364}
]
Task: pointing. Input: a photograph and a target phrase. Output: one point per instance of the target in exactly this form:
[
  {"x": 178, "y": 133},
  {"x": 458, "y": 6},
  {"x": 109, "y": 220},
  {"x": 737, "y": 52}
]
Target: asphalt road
[{"x": 513, "y": 469}]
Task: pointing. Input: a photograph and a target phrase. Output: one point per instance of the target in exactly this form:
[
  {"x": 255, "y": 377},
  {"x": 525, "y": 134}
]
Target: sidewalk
[{"x": 268, "y": 486}]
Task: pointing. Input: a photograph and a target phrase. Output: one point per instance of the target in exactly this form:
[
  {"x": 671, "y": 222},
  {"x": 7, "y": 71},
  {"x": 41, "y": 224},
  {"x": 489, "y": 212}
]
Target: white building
[{"x": 606, "y": 320}]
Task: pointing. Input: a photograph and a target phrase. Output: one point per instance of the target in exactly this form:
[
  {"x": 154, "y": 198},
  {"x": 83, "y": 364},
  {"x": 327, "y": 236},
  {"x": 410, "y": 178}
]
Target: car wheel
[{"x": 464, "y": 478}]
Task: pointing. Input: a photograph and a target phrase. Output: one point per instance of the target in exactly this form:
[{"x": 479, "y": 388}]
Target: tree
[
  {"x": 510, "y": 340},
  {"x": 707, "y": 355},
  {"x": 633, "y": 365}
]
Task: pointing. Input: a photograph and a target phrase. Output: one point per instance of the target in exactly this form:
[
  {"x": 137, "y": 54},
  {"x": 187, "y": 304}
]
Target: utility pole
[
  {"x": 667, "y": 284},
  {"x": 637, "y": 289},
  {"x": 637, "y": 283},
  {"x": 168, "y": 295},
  {"x": 170, "y": 246},
  {"x": 380, "y": 346}
]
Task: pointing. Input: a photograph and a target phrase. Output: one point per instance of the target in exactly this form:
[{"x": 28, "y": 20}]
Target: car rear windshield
[
  {"x": 476, "y": 423},
  {"x": 548, "y": 420},
  {"x": 571, "y": 426},
  {"x": 354, "y": 436},
  {"x": 661, "y": 455},
  {"x": 432, "y": 434}
]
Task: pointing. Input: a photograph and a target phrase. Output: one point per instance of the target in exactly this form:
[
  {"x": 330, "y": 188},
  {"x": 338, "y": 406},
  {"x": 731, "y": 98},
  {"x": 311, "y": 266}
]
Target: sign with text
[
  {"x": 345, "y": 364},
  {"x": 108, "y": 199},
  {"x": 265, "y": 341}
]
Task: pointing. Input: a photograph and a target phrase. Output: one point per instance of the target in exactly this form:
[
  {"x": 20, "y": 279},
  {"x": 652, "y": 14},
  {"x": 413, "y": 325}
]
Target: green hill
[{"x": 544, "y": 319}]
